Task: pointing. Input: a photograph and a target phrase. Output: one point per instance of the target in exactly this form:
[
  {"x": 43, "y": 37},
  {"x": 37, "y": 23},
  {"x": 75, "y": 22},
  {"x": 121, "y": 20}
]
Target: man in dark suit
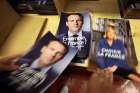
[
  {"x": 33, "y": 74},
  {"x": 75, "y": 36}
]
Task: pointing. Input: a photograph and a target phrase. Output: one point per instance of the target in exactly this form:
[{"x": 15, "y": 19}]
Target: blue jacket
[{"x": 107, "y": 56}]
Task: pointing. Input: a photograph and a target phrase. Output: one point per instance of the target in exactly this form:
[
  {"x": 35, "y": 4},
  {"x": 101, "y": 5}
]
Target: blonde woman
[{"x": 110, "y": 55}]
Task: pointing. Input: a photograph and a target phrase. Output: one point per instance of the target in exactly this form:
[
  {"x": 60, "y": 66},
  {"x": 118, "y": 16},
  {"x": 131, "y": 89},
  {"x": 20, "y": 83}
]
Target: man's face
[
  {"x": 51, "y": 53},
  {"x": 110, "y": 33},
  {"x": 74, "y": 23}
]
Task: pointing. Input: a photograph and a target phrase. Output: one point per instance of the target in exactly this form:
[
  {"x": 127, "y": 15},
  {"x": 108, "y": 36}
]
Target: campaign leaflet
[
  {"x": 123, "y": 33},
  {"x": 75, "y": 31},
  {"x": 31, "y": 77}
]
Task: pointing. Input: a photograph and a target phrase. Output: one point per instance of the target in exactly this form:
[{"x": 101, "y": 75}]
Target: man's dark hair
[
  {"x": 80, "y": 15},
  {"x": 66, "y": 47}
]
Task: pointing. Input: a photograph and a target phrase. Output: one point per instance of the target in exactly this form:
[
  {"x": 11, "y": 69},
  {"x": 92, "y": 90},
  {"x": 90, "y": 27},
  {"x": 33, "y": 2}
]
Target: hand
[
  {"x": 111, "y": 69},
  {"x": 7, "y": 63}
]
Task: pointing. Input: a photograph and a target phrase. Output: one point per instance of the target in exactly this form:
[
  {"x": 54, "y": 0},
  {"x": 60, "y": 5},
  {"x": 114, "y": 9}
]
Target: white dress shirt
[
  {"x": 79, "y": 38},
  {"x": 35, "y": 64}
]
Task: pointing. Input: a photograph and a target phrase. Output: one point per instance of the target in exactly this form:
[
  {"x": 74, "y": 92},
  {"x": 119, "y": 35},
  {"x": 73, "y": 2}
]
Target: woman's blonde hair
[{"x": 111, "y": 25}]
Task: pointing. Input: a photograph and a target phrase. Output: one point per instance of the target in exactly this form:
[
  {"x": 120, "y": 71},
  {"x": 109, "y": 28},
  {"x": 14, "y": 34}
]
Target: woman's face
[{"x": 110, "y": 33}]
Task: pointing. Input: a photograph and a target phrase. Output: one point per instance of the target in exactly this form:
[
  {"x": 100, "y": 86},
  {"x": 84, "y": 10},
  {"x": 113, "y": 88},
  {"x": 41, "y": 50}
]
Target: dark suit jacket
[{"x": 84, "y": 52}]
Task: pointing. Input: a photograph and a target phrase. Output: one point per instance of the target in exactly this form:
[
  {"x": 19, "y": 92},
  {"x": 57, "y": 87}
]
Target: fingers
[
  {"x": 112, "y": 69},
  {"x": 7, "y": 63},
  {"x": 8, "y": 67},
  {"x": 10, "y": 58}
]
